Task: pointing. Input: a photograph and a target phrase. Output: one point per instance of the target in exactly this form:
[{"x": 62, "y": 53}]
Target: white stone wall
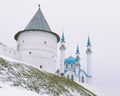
[
  {"x": 8, "y": 52},
  {"x": 39, "y": 49}
]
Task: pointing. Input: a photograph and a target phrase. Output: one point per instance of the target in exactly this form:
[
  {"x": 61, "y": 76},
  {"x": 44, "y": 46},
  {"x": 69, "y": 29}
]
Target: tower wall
[
  {"x": 38, "y": 48},
  {"x": 89, "y": 64}
]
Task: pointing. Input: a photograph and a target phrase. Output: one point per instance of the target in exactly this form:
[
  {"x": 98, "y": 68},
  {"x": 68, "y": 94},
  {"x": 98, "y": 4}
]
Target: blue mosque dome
[{"x": 70, "y": 60}]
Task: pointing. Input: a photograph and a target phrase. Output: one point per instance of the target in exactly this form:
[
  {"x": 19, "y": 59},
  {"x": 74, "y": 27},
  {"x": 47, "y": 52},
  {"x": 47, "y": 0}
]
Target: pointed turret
[{"x": 77, "y": 53}]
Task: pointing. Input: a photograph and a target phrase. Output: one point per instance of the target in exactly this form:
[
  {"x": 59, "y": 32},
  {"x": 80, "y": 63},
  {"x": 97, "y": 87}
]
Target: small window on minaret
[
  {"x": 29, "y": 52},
  {"x": 23, "y": 40},
  {"x": 40, "y": 66},
  {"x": 82, "y": 79}
]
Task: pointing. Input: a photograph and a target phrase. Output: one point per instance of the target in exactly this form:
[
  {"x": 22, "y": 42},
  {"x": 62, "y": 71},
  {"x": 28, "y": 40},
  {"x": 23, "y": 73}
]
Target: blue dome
[{"x": 70, "y": 60}]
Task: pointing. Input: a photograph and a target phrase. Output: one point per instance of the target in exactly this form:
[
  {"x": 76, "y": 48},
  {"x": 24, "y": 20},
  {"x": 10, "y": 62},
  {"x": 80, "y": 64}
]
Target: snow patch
[{"x": 7, "y": 90}]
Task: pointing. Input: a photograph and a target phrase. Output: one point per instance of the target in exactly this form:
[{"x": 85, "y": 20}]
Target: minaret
[
  {"x": 62, "y": 54},
  {"x": 77, "y": 53},
  {"x": 89, "y": 52},
  {"x": 77, "y": 65}
]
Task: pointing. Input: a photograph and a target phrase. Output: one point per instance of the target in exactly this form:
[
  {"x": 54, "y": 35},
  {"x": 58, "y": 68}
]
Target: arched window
[
  {"x": 40, "y": 66},
  {"x": 72, "y": 77},
  {"x": 71, "y": 66},
  {"x": 82, "y": 79},
  {"x": 67, "y": 76},
  {"x": 66, "y": 66}
]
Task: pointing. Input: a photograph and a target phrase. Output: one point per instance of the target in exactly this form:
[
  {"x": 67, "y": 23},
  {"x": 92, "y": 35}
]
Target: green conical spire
[{"x": 38, "y": 22}]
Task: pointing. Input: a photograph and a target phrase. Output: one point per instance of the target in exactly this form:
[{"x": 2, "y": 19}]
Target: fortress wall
[{"x": 8, "y": 52}]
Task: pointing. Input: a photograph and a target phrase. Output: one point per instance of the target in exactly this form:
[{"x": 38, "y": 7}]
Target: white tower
[
  {"x": 62, "y": 54},
  {"x": 37, "y": 44},
  {"x": 89, "y": 52}
]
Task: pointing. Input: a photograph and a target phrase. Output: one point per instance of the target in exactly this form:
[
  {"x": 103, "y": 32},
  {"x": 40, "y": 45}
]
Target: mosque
[
  {"x": 71, "y": 68},
  {"x": 37, "y": 46}
]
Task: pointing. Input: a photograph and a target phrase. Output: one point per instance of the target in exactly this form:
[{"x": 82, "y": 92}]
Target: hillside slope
[{"x": 32, "y": 79}]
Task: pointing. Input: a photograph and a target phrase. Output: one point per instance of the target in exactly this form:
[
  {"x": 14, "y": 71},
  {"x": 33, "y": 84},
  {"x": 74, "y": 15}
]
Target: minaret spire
[
  {"x": 63, "y": 38},
  {"x": 88, "y": 42},
  {"x": 77, "y": 52}
]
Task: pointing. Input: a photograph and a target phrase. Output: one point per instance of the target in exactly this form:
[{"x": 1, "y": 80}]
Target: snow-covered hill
[
  {"x": 18, "y": 79},
  {"x": 99, "y": 91}
]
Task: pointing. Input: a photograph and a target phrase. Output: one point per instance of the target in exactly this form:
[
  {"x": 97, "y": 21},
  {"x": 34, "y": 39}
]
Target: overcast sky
[{"x": 99, "y": 18}]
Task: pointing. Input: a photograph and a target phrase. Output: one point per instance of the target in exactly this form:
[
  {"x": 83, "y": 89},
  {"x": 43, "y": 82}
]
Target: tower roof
[
  {"x": 38, "y": 22},
  {"x": 77, "y": 50}
]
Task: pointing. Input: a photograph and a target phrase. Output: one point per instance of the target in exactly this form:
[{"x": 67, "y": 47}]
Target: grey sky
[{"x": 99, "y": 18}]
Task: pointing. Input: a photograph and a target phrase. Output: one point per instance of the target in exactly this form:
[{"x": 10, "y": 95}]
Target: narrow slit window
[
  {"x": 82, "y": 79},
  {"x": 45, "y": 42},
  {"x": 40, "y": 66}
]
